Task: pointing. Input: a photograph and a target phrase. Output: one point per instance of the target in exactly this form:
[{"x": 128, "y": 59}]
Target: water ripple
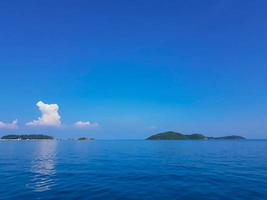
[{"x": 133, "y": 170}]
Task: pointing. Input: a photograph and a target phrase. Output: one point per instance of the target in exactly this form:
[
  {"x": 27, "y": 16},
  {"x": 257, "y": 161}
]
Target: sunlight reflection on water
[{"x": 43, "y": 167}]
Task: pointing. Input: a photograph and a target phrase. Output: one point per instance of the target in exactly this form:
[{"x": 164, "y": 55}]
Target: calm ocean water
[{"x": 133, "y": 170}]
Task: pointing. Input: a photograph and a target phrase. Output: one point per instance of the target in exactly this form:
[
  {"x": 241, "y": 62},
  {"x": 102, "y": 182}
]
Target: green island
[
  {"x": 27, "y": 137},
  {"x": 171, "y": 135},
  {"x": 85, "y": 138},
  {"x": 230, "y": 137}
]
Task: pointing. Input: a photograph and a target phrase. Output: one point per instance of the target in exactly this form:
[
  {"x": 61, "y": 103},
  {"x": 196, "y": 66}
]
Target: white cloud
[
  {"x": 50, "y": 115},
  {"x": 12, "y": 125},
  {"x": 81, "y": 124}
]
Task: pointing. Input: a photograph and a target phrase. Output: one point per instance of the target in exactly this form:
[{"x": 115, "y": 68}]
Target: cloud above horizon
[
  {"x": 12, "y": 125},
  {"x": 85, "y": 124},
  {"x": 50, "y": 115}
]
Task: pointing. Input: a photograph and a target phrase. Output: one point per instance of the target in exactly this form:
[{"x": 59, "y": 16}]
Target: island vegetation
[
  {"x": 85, "y": 138},
  {"x": 230, "y": 137},
  {"x": 27, "y": 137},
  {"x": 171, "y": 135}
]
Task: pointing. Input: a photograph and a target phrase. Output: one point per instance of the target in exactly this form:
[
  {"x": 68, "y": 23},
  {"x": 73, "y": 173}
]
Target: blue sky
[{"x": 135, "y": 67}]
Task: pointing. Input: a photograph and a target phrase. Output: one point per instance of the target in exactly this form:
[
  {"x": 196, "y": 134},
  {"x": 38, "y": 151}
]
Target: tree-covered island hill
[{"x": 169, "y": 135}]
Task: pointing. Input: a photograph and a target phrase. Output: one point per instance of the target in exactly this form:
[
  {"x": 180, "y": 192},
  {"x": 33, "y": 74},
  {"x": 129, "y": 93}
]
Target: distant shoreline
[
  {"x": 144, "y": 140},
  {"x": 27, "y": 137},
  {"x": 170, "y": 135}
]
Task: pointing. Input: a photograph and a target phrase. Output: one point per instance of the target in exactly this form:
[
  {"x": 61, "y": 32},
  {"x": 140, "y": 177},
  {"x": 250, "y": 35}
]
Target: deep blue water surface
[{"x": 153, "y": 170}]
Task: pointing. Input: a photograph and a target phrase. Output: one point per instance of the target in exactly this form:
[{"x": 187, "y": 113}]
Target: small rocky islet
[{"x": 85, "y": 138}]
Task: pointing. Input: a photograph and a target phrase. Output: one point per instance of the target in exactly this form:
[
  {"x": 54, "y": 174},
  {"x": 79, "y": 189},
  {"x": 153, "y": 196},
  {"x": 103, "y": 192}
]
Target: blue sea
[{"x": 134, "y": 169}]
